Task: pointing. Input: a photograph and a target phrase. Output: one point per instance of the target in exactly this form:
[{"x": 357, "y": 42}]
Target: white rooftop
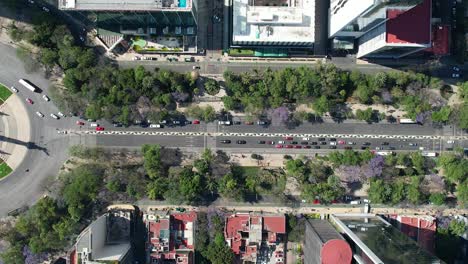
[
  {"x": 292, "y": 23},
  {"x": 343, "y": 12}
]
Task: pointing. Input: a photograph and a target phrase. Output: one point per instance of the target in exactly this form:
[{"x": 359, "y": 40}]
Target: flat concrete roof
[
  {"x": 292, "y": 23},
  {"x": 125, "y": 5}
]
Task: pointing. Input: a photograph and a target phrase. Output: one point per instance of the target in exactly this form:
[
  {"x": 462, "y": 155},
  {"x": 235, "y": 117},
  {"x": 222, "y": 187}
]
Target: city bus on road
[
  {"x": 28, "y": 85},
  {"x": 406, "y": 121},
  {"x": 429, "y": 154}
]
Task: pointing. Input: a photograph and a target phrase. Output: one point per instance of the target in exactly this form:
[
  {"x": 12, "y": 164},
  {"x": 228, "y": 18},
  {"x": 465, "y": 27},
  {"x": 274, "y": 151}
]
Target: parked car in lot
[
  {"x": 54, "y": 116},
  {"x": 99, "y": 128},
  {"x": 61, "y": 114},
  {"x": 14, "y": 89},
  {"x": 225, "y": 141},
  {"x": 196, "y": 122},
  {"x": 29, "y": 101},
  {"x": 40, "y": 114}
]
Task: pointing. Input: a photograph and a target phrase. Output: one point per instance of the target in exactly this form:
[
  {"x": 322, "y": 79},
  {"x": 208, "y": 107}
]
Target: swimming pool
[{"x": 182, "y": 3}]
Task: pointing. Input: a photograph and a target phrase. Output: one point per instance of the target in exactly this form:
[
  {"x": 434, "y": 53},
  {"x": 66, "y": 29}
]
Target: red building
[
  {"x": 171, "y": 238},
  {"x": 253, "y": 236},
  {"x": 422, "y": 229}
]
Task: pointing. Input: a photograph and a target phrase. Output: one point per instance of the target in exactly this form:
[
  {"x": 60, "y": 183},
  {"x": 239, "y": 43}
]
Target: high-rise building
[
  {"x": 137, "y": 17},
  {"x": 381, "y": 28}
]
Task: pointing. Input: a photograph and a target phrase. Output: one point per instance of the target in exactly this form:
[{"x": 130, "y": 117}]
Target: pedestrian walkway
[{"x": 15, "y": 130}]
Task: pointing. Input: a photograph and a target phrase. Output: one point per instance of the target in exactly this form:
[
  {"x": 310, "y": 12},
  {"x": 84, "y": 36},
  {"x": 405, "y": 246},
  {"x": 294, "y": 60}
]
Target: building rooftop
[
  {"x": 380, "y": 241},
  {"x": 125, "y": 5},
  {"x": 411, "y": 26},
  {"x": 343, "y": 12},
  {"x": 278, "y": 21}
]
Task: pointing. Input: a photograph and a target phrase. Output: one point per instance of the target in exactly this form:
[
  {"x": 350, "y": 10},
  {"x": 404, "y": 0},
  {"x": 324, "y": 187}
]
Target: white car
[
  {"x": 61, "y": 114},
  {"x": 46, "y": 98},
  {"x": 136, "y": 58},
  {"x": 332, "y": 143},
  {"x": 305, "y": 138},
  {"x": 156, "y": 126},
  {"x": 14, "y": 89},
  {"x": 351, "y": 143},
  {"x": 94, "y": 125},
  {"x": 455, "y": 75},
  {"x": 281, "y": 142},
  {"x": 226, "y": 123},
  {"x": 54, "y": 116},
  {"x": 450, "y": 141},
  {"x": 455, "y": 68},
  {"x": 45, "y": 9},
  {"x": 39, "y": 114}
]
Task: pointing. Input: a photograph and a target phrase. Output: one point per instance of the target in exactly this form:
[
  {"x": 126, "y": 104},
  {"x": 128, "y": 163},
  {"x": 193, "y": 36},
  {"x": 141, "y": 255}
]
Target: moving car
[
  {"x": 29, "y": 101},
  {"x": 14, "y": 89},
  {"x": 351, "y": 143},
  {"x": 99, "y": 128},
  {"x": 412, "y": 144},
  {"x": 39, "y": 114},
  {"x": 226, "y": 123},
  {"x": 366, "y": 144},
  {"x": 305, "y": 138},
  {"x": 332, "y": 147},
  {"x": 94, "y": 125},
  {"x": 385, "y": 143},
  {"x": 332, "y": 139},
  {"x": 241, "y": 142},
  {"x": 45, "y": 9},
  {"x": 117, "y": 124},
  {"x": 80, "y": 123},
  {"x": 248, "y": 123},
  {"x": 156, "y": 126},
  {"x": 196, "y": 67},
  {"x": 261, "y": 142},
  {"x": 176, "y": 122},
  {"x": 298, "y": 146},
  {"x": 313, "y": 143},
  {"x": 304, "y": 143},
  {"x": 341, "y": 142},
  {"x": 61, "y": 114},
  {"x": 281, "y": 142},
  {"x": 54, "y": 116},
  {"x": 450, "y": 141},
  {"x": 46, "y": 98},
  {"x": 333, "y": 143},
  {"x": 321, "y": 139},
  {"x": 289, "y": 146},
  {"x": 262, "y": 123},
  {"x": 288, "y": 138},
  {"x": 270, "y": 142},
  {"x": 316, "y": 147},
  {"x": 225, "y": 141},
  {"x": 294, "y": 142},
  {"x": 307, "y": 147},
  {"x": 196, "y": 122},
  {"x": 278, "y": 146},
  {"x": 323, "y": 143},
  {"x": 455, "y": 75}
]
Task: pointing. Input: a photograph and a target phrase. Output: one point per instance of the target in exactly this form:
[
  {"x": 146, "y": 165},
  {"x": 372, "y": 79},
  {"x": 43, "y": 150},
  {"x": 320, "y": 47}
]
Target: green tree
[
  {"x": 152, "y": 160},
  {"x": 125, "y": 116},
  {"x": 437, "y": 198},
  {"x": 230, "y": 187},
  {"x": 364, "y": 93},
  {"x": 49, "y": 57},
  {"x": 155, "y": 189},
  {"x": 322, "y": 191},
  {"x": 462, "y": 193},
  {"x": 442, "y": 115},
  {"x": 212, "y": 87},
  {"x": 418, "y": 162},
  {"x": 457, "y": 227},
  {"x": 218, "y": 252},
  {"x": 297, "y": 169},
  {"x": 379, "y": 192},
  {"x": 413, "y": 192},
  {"x": 229, "y": 103},
  {"x": 321, "y": 105},
  {"x": 82, "y": 189},
  {"x": 398, "y": 192},
  {"x": 209, "y": 114},
  {"x": 365, "y": 115},
  {"x": 93, "y": 111}
]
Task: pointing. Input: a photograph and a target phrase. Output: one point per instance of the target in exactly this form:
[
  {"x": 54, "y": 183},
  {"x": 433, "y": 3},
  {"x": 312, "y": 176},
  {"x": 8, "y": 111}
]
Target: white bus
[
  {"x": 384, "y": 153},
  {"x": 27, "y": 85},
  {"x": 406, "y": 121},
  {"x": 429, "y": 154}
]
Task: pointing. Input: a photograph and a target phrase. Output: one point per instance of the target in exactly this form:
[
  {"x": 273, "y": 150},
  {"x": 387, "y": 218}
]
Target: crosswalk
[{"x": 212, "y": 134}]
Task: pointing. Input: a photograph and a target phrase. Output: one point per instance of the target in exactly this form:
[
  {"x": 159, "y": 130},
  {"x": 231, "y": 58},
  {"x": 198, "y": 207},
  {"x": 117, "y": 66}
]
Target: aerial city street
[{"x": 233, "y": 131}]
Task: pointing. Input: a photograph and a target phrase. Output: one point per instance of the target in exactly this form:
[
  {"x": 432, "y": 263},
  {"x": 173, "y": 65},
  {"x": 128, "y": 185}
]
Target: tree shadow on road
[{"x": 29, "y": 145}]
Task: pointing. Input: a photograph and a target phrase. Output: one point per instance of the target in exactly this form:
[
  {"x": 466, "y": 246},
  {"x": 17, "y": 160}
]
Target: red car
[
  {"x": 196, "y": 122},
  {"x": 307, "y": 147},
  {"x": 99, "y": 128},
  {"x": 316, "y": 201},
  {"x": 248, "y": 122},
  {"x": 29, "y": 101},
  {"x": 288, "y": 138},
  {"x": 278, "y": 146},
  {"x": 270, "y": 142},
  {"x": 298, "y": 146},
  {"x": 80, "y": 123},
  {"x": 289, "y": 146},
  {"x": 341, "y": 142}
]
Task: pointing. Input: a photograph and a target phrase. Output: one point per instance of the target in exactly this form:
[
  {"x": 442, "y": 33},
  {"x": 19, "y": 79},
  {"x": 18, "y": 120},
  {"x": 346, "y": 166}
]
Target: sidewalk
[{"x": 16, "y": 127}]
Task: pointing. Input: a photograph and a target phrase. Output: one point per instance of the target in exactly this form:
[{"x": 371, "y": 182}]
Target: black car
[
  {"x": 313, "y": 143},
  {"x": 304, "y": 143},
  {"x": 226, "y": 141},
  {"x": 385, "y": 143},
  {"x": 176, "y": 122},
  {"x": 364, "y": 148},
  {"x": 391, "y": 148},
  {"x": 323, "y": 143},
  {"x": 366, "y": 144},
  {"x": 294, "y": 142},
  {"x": 117, "y": 124},
  {"x": 332, "y": 139},
  {"x": 261, "y": 142},
  {"x": 348, "y": 147},
  {"x": 321, "y": 139},
  {"x": 262, "y": 123},
  {"x": 241, "y": 142},
  {"x": 237, "y": 122},
  {"x": 316, "y": 147},
  {"x": 332, "y": 147},
  {"x": 187, "y": 122}
]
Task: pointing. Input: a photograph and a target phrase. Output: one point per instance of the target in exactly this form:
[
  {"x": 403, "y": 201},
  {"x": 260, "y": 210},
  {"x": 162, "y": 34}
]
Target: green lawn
[
  {"x": 4, "y": 169},
  {"x": 4, "y": 92},
  {"x": 247, "y": 171}
]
